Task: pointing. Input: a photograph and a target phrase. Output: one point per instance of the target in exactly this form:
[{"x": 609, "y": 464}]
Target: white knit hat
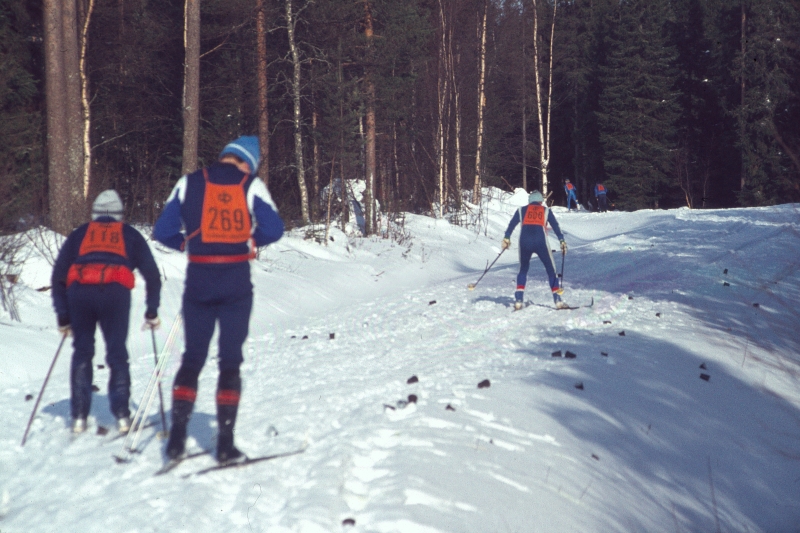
[
  {"x": 107, "y": 204},
  {"x": 535, "y": 196}
]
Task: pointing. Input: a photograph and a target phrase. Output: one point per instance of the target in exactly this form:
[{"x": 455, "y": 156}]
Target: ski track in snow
[{"x": 644, "y": 444}]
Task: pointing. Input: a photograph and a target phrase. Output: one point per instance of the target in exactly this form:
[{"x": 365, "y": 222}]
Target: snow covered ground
[{"x": 680, "y": 411}]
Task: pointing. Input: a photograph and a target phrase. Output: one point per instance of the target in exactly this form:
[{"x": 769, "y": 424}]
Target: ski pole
[
  {"x": 561, "y": 275},
  {"x": 41, "y": 392},
  {"x": 471, "y": 286},
  {"x": 160, "y": 393}
]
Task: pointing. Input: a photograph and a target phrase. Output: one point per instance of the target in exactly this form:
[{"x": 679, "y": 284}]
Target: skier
[
  {"x": 533, "y": 240},
  {"x": 569, "y": 188},
  {"x": 92, "y": 281},
  {"x": 226, "y": 212},
  {"x": 600, "y": 195}
]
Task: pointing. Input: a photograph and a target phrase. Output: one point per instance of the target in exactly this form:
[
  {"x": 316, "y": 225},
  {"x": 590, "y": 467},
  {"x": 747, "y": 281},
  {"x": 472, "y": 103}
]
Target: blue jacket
[
  {"x": 598, "y": 191},
  {"x": 138, "y": 257},
  {"x": 182, "y": 215},
  {"x": 533, "y": 233}
]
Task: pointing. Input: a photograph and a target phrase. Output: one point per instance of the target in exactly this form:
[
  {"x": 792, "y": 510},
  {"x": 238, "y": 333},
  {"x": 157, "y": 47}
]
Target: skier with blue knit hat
[
  {"x": 534, "y": 218},
  {"x": 218, "y": 215}
]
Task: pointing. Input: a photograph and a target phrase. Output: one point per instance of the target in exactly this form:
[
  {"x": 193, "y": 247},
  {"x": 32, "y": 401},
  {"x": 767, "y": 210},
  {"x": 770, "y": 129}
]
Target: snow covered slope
[{"x": 680, "y": 411}]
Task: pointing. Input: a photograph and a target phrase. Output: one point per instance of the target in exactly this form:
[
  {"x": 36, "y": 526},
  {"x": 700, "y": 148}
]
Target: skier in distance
[
  {"x": 572, "y": 197},
  {"x": 600, "y": 195},
  {"x": 533, "y": 240}
]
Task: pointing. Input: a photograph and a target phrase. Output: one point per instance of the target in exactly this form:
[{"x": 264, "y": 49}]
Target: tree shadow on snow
[{"x": 663, "y": 437}]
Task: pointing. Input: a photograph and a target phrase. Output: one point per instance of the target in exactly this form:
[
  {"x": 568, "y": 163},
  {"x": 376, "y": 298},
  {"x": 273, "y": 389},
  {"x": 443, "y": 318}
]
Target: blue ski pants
[
  {"x": 109, "y": 305},
  {"x": 526, "y": 251},
  {"x": 200, "y": 317}
]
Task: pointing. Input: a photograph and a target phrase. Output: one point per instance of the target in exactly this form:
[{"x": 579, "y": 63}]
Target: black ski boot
[
  {"x": 181, "y": 413},
  {"x": 228, "y": 392}
]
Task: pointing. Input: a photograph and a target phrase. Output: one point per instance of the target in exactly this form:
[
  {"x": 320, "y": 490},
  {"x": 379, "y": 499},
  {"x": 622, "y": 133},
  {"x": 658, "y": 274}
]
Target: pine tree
[
  {"x": 638, "y": 103},
  {"x": 21, "y": 170}
]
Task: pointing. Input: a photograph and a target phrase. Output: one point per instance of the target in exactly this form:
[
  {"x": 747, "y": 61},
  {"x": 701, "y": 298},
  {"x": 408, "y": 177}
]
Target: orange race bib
[
  {"x": 534, "y": 216},
  {"x": 103, "y": 237},
  {"x": 225, "y": 218}
]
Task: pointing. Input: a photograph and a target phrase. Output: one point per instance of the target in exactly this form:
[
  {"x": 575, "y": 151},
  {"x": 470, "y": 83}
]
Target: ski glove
[
  {"x": 506, "y": 244},
  {"x": 64, "y": 325},
  {"x": 151, "y": 321},
  {"x": 563, "y": 247}
]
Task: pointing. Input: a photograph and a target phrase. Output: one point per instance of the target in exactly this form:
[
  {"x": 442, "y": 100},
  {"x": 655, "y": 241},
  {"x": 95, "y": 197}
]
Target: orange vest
[
  {"x": 225, "y": 218},
  {"x": 102, "y": 237},
  {"x": 534, "y": 216}
]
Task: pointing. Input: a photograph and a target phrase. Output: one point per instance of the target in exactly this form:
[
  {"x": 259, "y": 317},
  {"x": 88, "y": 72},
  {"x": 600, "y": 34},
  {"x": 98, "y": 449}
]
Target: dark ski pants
[
  {"x": 109, "y": 305},
  {"x": 526, "y": 251},
  {"x": 200, "y": 317},
  {"x": 602, "y": 203}
]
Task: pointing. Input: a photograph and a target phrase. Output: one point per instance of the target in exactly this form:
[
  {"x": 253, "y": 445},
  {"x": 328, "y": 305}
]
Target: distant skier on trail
[
  {"x": 91, "y": 283},
  {"x": 218, "y": 214},
  {"x": 600, "y": 196},
  {"x": 533, "y": 240},
  {"x": 572, "y": 197}
]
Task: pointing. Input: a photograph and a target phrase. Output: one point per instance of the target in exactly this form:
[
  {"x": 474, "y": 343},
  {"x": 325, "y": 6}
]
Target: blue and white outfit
[
  {"x": 218, "y": 287},
  {"x": 533, "y": 240},
  {"x": 572, "y": 197}
]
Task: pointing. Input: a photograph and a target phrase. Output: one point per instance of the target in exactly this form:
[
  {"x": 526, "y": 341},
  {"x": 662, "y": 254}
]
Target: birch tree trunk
[
  {"x": 261, "y": 76},
  {"x": 297, "y": 116},
  {"x": 191, "y": 85},
  {"x": 370, "y": 159},
  {"x": 543, "y": 116},
  {"x": 476, "y": 191},
  {"x": 742, "y": 127},
  {"x": 442, "y": 88},
  {"x": 86, "y": 111}
]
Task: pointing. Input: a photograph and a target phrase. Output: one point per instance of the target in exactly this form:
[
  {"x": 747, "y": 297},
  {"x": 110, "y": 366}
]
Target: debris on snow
[
  {"x": 412, "y": 379},
  {"x": 485, "y": 384}
]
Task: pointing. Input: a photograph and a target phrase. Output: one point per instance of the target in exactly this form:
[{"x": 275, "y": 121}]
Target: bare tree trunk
[
  {"x": 524, "y": 107},
  {"x": 261, "y": 75},
  {"x": 55, "y": 93},
  {"x": 476, "y": 191},
  {"x": 544, "y": 134},
  {"x": 742, "y": 129},
  {"x": 86, "y": 112},
  {"x": 65, "y": 119},
  {"x": 297, "y": 116},
  {"x": 315, "y": 158},
  {"x": 191, "y": 85},
  {"x": 370, "y": 160},
  {"x": 442, "y": 87}
]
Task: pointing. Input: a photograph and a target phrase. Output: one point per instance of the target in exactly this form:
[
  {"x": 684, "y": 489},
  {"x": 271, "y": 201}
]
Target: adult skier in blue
[
  {"x": 533, "y": 240},
  {"x": 572, "y": 197},
  {"x": 218, "y": 215},
  {"x": 91, "y": 284},
  {"x": 600, "y": 196}
]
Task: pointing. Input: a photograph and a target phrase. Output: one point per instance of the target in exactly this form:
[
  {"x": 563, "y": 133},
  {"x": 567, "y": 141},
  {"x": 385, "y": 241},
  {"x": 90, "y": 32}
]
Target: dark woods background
[{"x": 669, "y": 103}]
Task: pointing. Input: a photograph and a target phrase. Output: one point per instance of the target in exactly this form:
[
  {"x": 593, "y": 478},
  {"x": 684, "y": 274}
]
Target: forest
[{"x": 418, "y": 103}]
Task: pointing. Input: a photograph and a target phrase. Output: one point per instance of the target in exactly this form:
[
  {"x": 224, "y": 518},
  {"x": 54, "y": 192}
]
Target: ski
[
  {"x": 172, "y": 463},
  {"x": 573, "y": 307},
  {"x": 567, "y": 308},
  {"x": 246, "y": 462}
]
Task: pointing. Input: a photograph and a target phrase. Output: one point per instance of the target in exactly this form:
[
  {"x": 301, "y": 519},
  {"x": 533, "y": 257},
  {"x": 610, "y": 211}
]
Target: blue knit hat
[
  {"x": 246, "y": 148},
  {"x": 535, "y": 196}
]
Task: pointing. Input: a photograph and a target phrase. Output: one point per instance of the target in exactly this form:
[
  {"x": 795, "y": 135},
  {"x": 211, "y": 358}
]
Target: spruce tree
[
  {"x": 21, "y": 127},
  {"x": 638, "y": 103}
]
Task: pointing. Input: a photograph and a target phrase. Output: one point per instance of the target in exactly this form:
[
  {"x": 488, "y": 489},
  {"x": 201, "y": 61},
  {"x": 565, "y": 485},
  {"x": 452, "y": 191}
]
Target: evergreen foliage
[
  {"x": 647, "y": 97},
  {"x": 638, "y": 103},
  {"x": 22, "y": 185}
]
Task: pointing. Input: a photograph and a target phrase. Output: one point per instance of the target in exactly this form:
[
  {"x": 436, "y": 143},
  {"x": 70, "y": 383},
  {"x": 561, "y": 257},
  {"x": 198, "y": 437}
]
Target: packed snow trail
[{"x": 627, "y": 436}]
